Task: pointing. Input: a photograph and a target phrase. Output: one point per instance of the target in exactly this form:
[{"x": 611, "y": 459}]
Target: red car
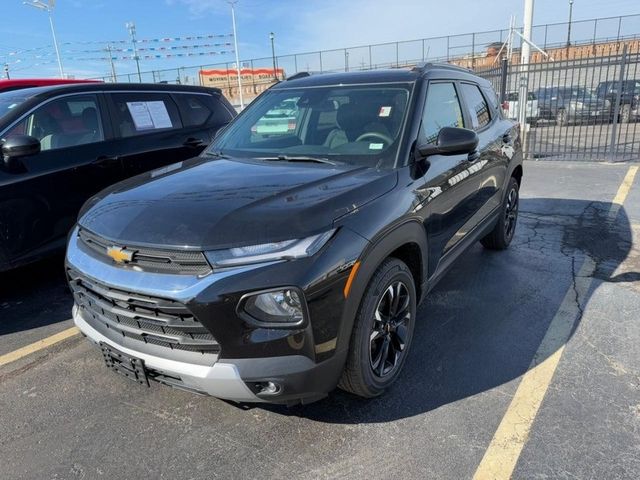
[{"x": 6, "y": 85}]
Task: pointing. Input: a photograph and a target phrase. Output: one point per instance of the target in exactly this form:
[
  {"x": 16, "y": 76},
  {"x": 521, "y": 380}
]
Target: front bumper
[
  {"x": 221, "y": 379},
  {"x": 305, "y": 362}
]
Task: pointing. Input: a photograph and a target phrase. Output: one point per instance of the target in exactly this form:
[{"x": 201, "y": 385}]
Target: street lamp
[
  {"x": 273, "y": 55},
  {"x": 569, "y": 27},
  {"x": 48, "y": 7},
  {"x": 235, "y": 46},
  {"x": 132, "y": 32}
]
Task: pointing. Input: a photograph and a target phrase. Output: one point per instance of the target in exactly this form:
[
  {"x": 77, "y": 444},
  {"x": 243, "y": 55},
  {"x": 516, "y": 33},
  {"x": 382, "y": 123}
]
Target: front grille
[
  {"x": 181, "y": 262},
  {"x": 142, "y": 318}
]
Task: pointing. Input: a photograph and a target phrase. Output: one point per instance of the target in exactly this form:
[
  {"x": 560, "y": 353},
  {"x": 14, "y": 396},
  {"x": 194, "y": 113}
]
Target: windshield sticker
[
  {"x": 376, "y": 146},
  {"x": 384, "y": 111},
  {"x": 149, "y": 115}
]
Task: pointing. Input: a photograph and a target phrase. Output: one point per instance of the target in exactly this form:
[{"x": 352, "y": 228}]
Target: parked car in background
[
  {"x": 512, "y": 107},
  {"x": 571, "y": 105},
  {"x": 17, "y": 84},
  {"x": 274, "y": 269},
  {"x": 629, "y": 109},
  {"x": 62, "y": 144},
  {"x": 281, "y": 120}
]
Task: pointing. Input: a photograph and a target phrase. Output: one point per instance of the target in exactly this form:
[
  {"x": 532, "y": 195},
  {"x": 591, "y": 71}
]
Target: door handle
[
  {"x": 106, "y": 161},
  {"x": 194, "y": 142}
]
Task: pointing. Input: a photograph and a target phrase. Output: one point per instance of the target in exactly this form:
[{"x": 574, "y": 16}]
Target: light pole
[
  {"x": 132, "y": 32},
  {"x": 273, "y": 55},
  {"x": 235, "y": 46},
  {"x": 48, "y": 7},
  {"x": 569, "y": 27}
]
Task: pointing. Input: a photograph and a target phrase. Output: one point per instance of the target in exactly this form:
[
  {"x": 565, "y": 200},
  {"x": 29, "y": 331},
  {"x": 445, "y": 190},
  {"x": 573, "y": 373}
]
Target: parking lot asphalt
[{"x": 479, "y": 332}]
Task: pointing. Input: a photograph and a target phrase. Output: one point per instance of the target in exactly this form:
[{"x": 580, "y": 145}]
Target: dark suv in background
[
  {"x": 62, "y": 144},
  {"x": 629, "y": 98},
  {"x": 277, "y": 266},
  {"x": 571, "y": 105}
]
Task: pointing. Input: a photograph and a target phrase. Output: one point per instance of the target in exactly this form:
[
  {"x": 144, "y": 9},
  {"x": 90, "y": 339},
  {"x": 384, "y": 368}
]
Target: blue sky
[{"x": 299, "y": 25}]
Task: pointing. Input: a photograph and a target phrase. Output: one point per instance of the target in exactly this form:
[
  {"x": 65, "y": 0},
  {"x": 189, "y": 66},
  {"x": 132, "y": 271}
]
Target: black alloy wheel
[{"x": 382, "y": 331}]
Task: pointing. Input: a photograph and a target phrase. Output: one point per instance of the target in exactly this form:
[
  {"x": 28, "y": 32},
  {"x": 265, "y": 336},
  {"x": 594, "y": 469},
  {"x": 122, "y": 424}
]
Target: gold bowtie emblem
[{"x": 120, "y": 254}]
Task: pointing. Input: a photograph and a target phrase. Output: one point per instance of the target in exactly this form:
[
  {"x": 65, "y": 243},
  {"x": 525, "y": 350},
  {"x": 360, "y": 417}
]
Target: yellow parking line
[
  {"x": 499, "y": 461},
  {"x": 39, "y": 345}
]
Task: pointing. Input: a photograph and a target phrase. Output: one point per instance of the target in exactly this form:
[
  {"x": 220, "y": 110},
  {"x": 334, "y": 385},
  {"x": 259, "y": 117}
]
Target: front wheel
[
  {"x": 382, "y": 331},
  {"x": 502, "y": 234}
]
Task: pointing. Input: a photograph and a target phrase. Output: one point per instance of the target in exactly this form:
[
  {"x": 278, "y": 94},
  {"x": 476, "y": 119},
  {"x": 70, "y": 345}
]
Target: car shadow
[
  {"x": 34, "y": 295},
  {"x": 483, "y": 323}
]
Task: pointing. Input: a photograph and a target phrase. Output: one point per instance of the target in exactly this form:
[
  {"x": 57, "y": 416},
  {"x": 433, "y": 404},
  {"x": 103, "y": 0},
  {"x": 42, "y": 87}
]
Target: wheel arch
[{"x": 405, "y": 242}]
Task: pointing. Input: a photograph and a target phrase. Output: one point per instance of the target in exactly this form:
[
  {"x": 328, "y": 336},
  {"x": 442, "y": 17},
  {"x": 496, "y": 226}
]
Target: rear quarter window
[{"x": 198, "y": 109}]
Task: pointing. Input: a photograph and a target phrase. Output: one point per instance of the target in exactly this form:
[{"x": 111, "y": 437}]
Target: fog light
[{"x": 269, "y": 388}]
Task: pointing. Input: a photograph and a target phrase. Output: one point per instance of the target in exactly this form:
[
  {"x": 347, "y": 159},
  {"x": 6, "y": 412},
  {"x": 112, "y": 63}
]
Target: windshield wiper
[
  {"x": 287, "y": 158},
  {"x": 216, "y": 154}
]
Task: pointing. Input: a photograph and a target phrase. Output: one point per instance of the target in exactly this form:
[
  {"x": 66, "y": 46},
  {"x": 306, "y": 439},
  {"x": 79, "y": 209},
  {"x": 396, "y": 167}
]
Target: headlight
[
  {"x": 267, "y": 252},
  {"x": 283, "y": 307}
]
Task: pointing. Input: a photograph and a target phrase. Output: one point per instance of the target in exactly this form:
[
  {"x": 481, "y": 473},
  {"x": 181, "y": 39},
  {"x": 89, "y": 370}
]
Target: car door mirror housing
[
  {"x": 19, "y": 146},
  {"x": 451, "y": 141}
]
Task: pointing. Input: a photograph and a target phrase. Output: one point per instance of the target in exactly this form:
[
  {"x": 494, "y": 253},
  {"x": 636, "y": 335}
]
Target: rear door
[
  {"x": 148, "y": 129},
  {"x": 39, "y": 201},
  {"x": 494, "y": 136}
]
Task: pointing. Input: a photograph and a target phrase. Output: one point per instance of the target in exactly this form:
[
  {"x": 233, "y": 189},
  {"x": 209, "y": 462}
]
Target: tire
[
  {"x": 502, "y": 234},
  {"x": 625, "y": 113},
  {"x": 363, "y": 376},
  {"x": 561, "y": 118}
]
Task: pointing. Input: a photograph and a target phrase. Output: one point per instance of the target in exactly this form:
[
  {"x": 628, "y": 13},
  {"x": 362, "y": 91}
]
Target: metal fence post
[
  {"x": 370, "y": 58},
  {"x": 595, "y": 30},
  {"x": 503, "y": 80},
  {"x": 613, "y": 144},
  {"x": 295, "y": 63},
  {"x": 320, "y": 56},
  {"x": 397, "y": 55},
  {"x": 473, "y": 50}
]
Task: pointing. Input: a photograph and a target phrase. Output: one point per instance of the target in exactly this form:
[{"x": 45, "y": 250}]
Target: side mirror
[
  {"x": 19, "y": 146},
  {"x": 451, "y": 141}
]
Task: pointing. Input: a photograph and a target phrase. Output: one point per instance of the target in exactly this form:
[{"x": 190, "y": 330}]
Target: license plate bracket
[{"x": 123, "y": 364}]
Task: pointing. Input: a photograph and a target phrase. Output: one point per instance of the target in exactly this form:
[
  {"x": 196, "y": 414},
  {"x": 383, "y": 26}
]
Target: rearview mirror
[
  {"x": 18, "y": 146},
  {"x": 451, "y": 141}
]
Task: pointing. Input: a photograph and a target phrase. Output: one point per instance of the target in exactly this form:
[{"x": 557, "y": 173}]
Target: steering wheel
[{"x": 380, "y": 136}]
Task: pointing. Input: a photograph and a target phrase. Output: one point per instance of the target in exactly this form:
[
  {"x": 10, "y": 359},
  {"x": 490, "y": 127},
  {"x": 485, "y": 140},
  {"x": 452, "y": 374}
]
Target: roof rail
[{"x": 424, "y": 66}]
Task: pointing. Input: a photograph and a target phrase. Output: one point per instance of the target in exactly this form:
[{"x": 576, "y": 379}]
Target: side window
[
  {"x": 197, "y": 110},
  {"x": 62, "y": 123},
  {"x": 140, "y": 113},
  {"x": 442, "y": 109},
  {"x": 282, "y": 120},
  {"x": 477, "y": 105}
]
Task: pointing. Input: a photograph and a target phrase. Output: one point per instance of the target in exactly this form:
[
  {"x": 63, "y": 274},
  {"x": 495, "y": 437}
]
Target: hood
[{"x": 211, "y": 204}]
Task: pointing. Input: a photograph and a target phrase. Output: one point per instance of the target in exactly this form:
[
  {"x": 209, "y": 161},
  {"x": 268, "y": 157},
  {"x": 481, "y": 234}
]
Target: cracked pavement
[{"x": 65, "y": 416}]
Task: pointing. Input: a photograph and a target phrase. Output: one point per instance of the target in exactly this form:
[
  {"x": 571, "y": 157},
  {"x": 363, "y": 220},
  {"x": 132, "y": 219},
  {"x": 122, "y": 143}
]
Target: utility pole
[
  {"x": 48, "y": 7},
  {"x": 273, "y": 56},
  {"x": 523, "y": 92},
  {"x": 113, "y": 67},
  {"x": 569, "y": 26},
  {"x": 6, "y": 71},
  {"x": 132, "y": 32},
  {"x": 235, "y": 46}
]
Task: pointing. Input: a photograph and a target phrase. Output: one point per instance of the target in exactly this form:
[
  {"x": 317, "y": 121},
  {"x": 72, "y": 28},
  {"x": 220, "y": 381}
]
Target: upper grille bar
[{"x": 181, "y": 262}]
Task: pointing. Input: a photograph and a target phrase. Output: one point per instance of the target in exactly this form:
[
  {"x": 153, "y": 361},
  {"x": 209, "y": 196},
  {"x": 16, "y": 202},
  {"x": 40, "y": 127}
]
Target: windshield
[
  {"x": 358, "y": 125},
  {"x": 12, "y": 100}
]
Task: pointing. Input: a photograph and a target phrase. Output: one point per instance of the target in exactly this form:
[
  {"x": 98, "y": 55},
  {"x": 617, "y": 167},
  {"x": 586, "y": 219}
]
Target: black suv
[
  {"x": 275, "y": 267},
  {"x": 63, "y": 144},
  {"x": 629, "y": 98}
]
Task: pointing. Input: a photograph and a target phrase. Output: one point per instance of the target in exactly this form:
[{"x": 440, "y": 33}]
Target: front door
[{"x": 40, "y": 200}]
